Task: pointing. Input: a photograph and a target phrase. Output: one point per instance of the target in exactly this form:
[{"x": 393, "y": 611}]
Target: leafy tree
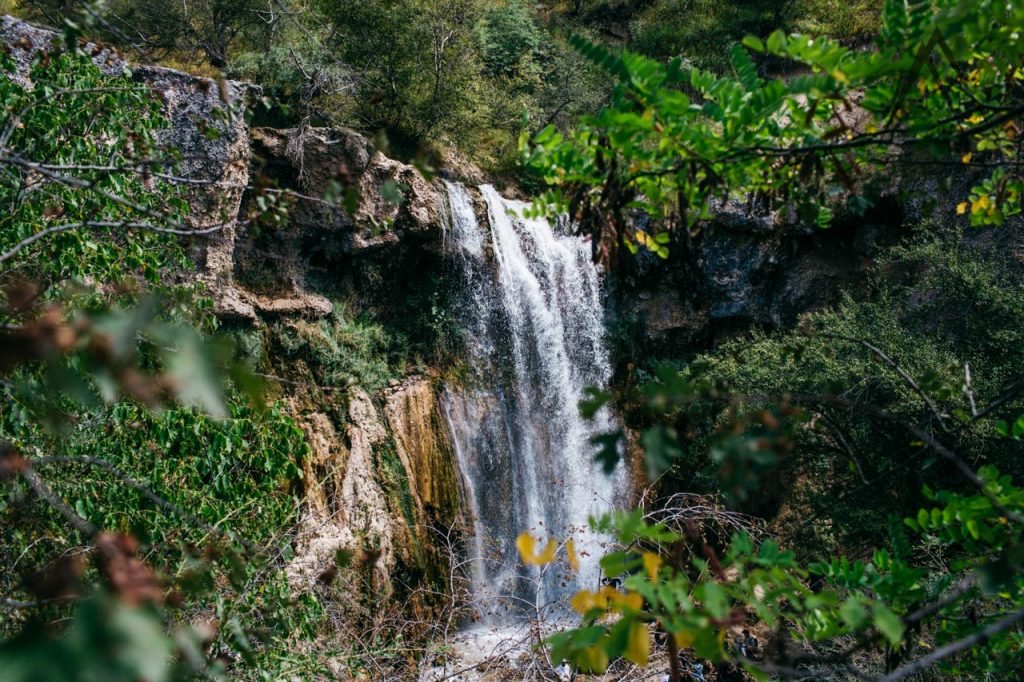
[
  {"x": 680, "y": 585},
  {"x": 508, "y": 38},
  {"x": 942, "y": 80},
  {"x": 412, "y": 60},
  {"x": 211, "y": 28}
]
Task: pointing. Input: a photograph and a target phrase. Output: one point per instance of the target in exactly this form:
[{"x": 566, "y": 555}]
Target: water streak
[{"x": 533, "y": 327}]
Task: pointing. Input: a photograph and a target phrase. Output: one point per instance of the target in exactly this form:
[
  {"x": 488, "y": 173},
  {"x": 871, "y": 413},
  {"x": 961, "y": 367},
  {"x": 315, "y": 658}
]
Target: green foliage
[
  {"x": 413, "y": 59},
  {"x": 75, "y": 118},
  {"x": 343, "y": 351},
  {"x": 116, "y": 428},
  {"x": 674, "y": 138},
  {"x": 509, "y": 39},
  {"x": 697, "y": 31},
  {"x": 107, "y": 640},
  {"x": 950, "y": 323},
  {"x": 879, "y": 602},
  {"x": 837, "y": 429},
  {"x": 196, "y": 32}
]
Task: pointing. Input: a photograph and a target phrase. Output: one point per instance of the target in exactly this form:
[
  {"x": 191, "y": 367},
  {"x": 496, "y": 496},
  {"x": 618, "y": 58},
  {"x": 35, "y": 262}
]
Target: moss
[{"x": 396, "y": 482}]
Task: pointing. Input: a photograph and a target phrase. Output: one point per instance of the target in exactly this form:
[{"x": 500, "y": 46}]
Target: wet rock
[
  {"x": 422, "y": 443},
  {"x": 747, "y": 271}
]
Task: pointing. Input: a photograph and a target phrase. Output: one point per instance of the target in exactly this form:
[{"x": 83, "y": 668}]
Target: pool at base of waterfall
[{"x": 498, "y": 653}]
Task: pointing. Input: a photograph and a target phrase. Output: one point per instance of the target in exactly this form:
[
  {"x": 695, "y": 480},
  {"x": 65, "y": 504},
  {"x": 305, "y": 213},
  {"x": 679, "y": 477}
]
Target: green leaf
[
  {"x": 754, "y": 43},
  {"x": 888, "y": 623},
  {"x": 853, "y": 613},
  {"x": 776, "y": 41}
]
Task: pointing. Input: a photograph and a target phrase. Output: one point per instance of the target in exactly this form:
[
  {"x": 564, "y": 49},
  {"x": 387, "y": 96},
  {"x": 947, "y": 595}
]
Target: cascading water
[{"x": 532, "y": 324}]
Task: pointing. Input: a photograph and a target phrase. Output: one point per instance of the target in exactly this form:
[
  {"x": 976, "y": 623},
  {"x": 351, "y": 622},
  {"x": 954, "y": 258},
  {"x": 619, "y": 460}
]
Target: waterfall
[{"x": 532, "y": 324}]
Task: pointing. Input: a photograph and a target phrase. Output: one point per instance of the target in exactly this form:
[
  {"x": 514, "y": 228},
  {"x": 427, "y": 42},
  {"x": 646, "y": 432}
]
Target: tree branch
[{"x": 948, "y": 650}]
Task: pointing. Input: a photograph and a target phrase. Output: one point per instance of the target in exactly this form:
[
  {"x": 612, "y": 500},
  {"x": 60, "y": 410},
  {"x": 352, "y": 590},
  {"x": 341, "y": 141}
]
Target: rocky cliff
[{"x": 379, "y": 482}]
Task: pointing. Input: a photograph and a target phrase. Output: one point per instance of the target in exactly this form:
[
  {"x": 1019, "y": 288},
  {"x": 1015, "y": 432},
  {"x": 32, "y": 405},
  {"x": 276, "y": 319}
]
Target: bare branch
[
  {"x": 948, "y": 650},
  {"x": 899, "y": 370},
  {"x": 47, "y": 494}
]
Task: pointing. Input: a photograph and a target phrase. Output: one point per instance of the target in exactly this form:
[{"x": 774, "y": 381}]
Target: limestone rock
[
  {"x": 395, "y": 201},
  {"x": 346, "y": 507},
  {"x": 24, "y": 40},
  {"x": 423, "y": 446}
]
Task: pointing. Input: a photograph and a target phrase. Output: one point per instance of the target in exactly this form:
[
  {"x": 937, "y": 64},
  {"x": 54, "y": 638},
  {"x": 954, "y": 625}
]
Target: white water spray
[{"x": 533, "y": 327}]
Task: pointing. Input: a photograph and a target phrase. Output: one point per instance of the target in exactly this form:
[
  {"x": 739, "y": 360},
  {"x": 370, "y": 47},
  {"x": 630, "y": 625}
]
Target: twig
[
  {"x": 899, "y": 370},
  {"x": 948, "y": 650},
  {"x": 968, "y": 391},
  {"x": 102, "y": 225},
  {"x": 47, "y": 494},
  {"x": 962, "y": 588}
]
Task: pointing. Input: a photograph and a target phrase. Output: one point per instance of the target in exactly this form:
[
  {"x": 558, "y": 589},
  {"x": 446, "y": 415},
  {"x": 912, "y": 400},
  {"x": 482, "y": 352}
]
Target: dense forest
[{"x": 504, "y": 340}]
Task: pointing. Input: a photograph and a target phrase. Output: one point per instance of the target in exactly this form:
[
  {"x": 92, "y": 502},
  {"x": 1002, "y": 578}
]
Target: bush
[
  {"x": 343, "y": 351},
  {"x": 851, "y": 472}
]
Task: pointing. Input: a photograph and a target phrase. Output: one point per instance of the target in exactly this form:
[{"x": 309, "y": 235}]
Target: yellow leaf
[
  {"x": 684, "y": 639},
  {"x": 840, "y": 76},
  {"x": 979, "y": 204},
  {"x": 652, "y": 562},
  {"x": 570, "y": 550},
  {"x": 582, "y": 601},
  {"x": 630, "y": 600},
  {"x": 597, "y": 659},
  {"x": 961, "y": 208},
  {"x": 966, "y": 158},
  {"x": 975, "y": 118},
  {"x": 528, "y": 552},
  {"x": 638, "y": 644}
]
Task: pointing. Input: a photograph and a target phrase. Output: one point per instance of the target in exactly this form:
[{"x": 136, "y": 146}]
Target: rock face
[
  {"x": 347, "y": 509},
  {"x": 740, "y": 273},
  {"x": 380, "y": 474},
  {"x": 25, "y": 40},
  {"x": 421, "y": 441},
  {"x": 208, "y": 129},
  {"x": 389, "y": 218},
  {"x": 381, "y": 489}
]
